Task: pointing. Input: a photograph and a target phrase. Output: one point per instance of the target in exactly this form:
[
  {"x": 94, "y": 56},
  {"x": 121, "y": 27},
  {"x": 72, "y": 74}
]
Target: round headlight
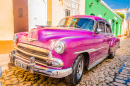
[
  {"x": 59, "y": 47},
  {"x": 15, "y": 38}
]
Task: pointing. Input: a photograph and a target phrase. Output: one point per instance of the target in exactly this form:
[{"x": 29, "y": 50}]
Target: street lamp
[{"x": 91, "y": 5}]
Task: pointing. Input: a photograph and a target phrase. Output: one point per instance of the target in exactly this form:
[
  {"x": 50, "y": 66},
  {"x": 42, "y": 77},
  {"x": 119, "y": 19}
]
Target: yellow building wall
[
  {"x": 49, "y": 12},
  {"x": 6, "y": 26}
]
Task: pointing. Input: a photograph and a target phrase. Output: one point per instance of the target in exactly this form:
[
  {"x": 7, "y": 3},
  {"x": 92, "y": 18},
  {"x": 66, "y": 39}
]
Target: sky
[{"x": 117, "y": 4}]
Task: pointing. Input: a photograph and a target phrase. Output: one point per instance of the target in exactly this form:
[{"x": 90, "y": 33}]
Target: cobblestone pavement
[{"x": 110, "y": 72}]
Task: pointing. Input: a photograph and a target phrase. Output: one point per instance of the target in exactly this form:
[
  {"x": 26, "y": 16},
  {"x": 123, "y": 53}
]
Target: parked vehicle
[{"x": 65, "y": 50}]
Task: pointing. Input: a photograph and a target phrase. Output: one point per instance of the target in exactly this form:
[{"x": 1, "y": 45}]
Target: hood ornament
[{"x": 31, "y": 39}]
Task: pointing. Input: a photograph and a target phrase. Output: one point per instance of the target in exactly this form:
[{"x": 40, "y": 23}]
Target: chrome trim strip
[
  {"x": 33, "y": 47},
  {"x": 97, "y": 62},
  {"x": 31, "y": 39},
  {"x": 89, "y": 50}
]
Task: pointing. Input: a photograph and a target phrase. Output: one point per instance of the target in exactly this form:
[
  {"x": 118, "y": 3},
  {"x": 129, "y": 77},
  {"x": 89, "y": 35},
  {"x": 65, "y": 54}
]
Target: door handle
[{"x": 106, "y": 34}]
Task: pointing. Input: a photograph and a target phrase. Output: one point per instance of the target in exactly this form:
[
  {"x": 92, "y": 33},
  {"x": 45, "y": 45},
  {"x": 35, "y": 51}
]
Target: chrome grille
[
  {"x": 26, "y": 51},
  {"x": 31, "y": 51}
]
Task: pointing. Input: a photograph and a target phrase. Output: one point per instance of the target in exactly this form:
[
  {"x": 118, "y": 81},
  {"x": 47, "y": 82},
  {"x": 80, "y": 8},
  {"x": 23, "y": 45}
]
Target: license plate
[{"x": 21, "y": 64}]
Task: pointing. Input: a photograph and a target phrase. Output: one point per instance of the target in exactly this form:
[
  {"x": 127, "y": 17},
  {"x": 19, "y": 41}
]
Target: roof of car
[{"x": 88, "y": 16}]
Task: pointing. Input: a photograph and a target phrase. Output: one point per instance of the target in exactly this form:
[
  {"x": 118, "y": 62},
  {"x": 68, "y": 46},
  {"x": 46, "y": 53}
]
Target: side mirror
[{"x": 98, "y": 30}]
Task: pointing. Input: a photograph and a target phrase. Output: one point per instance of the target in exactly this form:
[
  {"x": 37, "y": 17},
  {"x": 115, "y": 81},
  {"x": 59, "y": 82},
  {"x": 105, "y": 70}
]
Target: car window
[
  {"x": 108, "y": 28},
  {"x": 84, "y": 23},
  {"x": 101, "y": 25}
]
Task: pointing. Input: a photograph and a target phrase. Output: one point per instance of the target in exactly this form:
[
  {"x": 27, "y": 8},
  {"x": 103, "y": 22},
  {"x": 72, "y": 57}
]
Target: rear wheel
[
  {"x": 111, "y": 56},
  {"x": 77, "y": 71}
]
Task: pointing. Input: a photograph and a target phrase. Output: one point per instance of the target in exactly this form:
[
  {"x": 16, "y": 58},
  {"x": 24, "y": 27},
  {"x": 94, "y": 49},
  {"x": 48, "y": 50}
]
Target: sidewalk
[
  {"x": 123, "y": 37},
  {"x": 4, "y": 59}
]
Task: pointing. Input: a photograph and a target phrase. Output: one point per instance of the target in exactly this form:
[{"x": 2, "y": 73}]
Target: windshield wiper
[{"x": 78, "y": 27}]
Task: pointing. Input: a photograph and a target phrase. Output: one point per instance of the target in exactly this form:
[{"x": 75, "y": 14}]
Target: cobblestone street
[{"x": 110, "y": 72}]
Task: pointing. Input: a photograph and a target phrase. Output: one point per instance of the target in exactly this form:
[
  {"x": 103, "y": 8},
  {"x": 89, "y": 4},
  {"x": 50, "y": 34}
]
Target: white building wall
[
  {"x": 82, "y": 7},
  {"x": 58, "y": 10},
  {"x": 124, "y": 26}
]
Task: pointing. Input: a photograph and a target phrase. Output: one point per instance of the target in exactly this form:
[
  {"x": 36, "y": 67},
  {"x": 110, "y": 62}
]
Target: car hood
[
  {"x": 45, "y": 35},
  {"x": 60, "y": 32}
]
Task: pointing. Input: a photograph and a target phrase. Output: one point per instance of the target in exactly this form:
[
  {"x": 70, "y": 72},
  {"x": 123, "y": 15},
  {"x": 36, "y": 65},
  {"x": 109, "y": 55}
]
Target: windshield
[{"x": 84, "y": 23}]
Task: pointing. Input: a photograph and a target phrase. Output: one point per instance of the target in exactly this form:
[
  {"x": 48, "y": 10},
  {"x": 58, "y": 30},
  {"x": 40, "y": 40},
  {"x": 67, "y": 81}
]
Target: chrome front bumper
[
  {"x": 53, "y": 72},
  {"x": 34, "y": 68}
]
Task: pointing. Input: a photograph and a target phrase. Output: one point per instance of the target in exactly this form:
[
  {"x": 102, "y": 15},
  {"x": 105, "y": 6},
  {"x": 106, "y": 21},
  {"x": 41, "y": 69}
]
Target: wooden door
[{"x": 20, "y": 11}]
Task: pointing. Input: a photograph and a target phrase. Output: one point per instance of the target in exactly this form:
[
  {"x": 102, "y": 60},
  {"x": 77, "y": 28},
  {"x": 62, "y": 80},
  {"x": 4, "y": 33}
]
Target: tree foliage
[{"x": 121, "y": 15}]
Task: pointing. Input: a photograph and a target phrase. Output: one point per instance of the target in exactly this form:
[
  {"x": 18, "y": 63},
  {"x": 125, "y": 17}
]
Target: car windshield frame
[{"x": 78, "y": 26}]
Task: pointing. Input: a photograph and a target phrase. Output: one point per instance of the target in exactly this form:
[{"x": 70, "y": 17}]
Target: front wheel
[
  {"x": 77, "y": 71},
  {"x": 111, "y": 56}
]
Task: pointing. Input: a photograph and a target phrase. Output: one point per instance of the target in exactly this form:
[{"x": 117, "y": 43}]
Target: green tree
[{"x": 121, "y": 15}]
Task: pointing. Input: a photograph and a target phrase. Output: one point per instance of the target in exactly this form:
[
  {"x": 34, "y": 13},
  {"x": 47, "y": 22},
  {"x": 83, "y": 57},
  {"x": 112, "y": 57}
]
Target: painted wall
[
  {"x": 99, "y": 9},
  {"x": 6, "y": 20},
  {"x": 58, "y": 12},
  {"x": 49, "y": 12},
  {"x": 6, "y": 26},
  {"x": 82, "y": 7}
]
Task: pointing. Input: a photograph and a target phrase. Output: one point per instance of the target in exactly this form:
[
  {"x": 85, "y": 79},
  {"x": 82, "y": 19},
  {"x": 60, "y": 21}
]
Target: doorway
[
  {"x": 28, "y": 14},
  {"x": 113, "y": 26},
  {"x": 117, "y": 28},
  {"x": 20, "y": 11},
  {"x": 92, "y": 14},
  {"x": 37, "y": 12}
]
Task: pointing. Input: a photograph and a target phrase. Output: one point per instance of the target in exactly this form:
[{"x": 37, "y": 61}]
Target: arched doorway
[
  {"x": 113, "y": 26},
  {"x": 117, "y": 28},
  {"x": 92, "y": 14}
]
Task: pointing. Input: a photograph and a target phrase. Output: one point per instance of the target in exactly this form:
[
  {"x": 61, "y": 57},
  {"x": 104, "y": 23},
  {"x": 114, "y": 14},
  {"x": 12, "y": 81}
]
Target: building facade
[
  {"x": 125, "y": 21},
  {"x": 100, "y": 9},
  {"x": 23, "y": 15}
]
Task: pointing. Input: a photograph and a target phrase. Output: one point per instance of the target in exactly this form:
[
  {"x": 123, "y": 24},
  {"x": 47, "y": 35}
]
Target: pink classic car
[{"x": 65, "y": 50}]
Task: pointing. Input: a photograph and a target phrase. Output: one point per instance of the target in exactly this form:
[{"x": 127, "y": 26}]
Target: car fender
[{"x": 114, "y": 44}]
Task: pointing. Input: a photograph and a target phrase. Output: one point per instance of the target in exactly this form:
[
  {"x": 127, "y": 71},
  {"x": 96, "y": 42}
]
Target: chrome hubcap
[{"x": 80, "y": 69}]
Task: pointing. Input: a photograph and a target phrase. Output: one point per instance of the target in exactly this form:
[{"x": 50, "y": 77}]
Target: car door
[
  {"x": 102, "y": 46},
  {"x": 102, "y": 40},
  {"x": 108, "y": 34}
]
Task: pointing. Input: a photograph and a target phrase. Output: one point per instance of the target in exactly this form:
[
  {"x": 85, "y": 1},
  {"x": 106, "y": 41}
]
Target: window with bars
[
  {"x": 67, "y": 12},
  {"x": 72, "y": 7}
]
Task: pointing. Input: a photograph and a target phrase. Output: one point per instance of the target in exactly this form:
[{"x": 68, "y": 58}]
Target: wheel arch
[{"x": 86, "y": 57}]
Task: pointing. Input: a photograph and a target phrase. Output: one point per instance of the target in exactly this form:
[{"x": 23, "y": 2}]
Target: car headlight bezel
[
  {"x": 59, "y": 47},
  {"x": 15, "y": 38}
]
